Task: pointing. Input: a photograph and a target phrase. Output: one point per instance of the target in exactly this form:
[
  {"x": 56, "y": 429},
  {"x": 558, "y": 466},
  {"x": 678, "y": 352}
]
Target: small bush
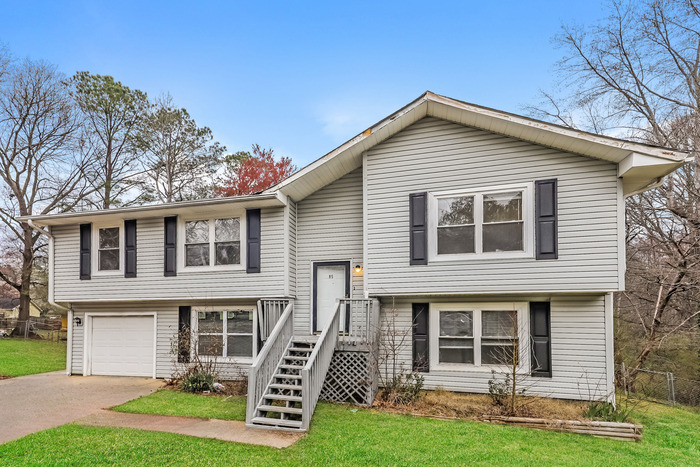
[
  {"x": 499, "y": 391},
  {"x": 607, "y": 412},
  {"x": 403, "y": 389},
  {"x": 197, "y": 380}
]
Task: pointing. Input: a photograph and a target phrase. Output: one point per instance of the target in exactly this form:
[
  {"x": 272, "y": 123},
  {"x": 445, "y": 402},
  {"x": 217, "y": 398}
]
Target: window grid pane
[
  {"x": 228, "y": 252},
  {"x": 108, "y": 249},
  {"x": 503, "y": 207},
  {"x": 197, "y": 255},
  {"x": 227, "y": 230},
  {"x": 196, "y": 232},
  {"x": 456, "y": 211}
]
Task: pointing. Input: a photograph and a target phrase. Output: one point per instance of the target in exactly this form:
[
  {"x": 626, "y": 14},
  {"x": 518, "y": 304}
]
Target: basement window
[{"x": 224, "y": 333}]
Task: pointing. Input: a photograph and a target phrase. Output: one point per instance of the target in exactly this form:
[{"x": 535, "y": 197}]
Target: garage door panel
[{"x": 122, "y": 345}]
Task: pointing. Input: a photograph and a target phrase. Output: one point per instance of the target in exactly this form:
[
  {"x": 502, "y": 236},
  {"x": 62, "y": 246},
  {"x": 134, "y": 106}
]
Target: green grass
[
  {"x": 19, "y": 357},
  {"x": 341, "y": 436},
  {"x": 187, "y": 405}
]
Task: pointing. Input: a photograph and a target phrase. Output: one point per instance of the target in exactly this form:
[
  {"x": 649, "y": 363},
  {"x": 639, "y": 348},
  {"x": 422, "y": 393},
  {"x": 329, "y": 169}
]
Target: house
[
  {"x": 471, "y": 228},
  {"x": 9, "y": 307}
]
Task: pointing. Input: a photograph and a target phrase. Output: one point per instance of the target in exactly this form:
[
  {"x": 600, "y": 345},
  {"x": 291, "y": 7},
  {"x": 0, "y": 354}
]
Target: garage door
[{"x": 122, "y": 345}]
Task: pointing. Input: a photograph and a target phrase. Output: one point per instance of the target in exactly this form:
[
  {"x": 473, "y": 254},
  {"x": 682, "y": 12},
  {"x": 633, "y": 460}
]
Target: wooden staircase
[
  {"x": 287, "y": 375},
  {"x": 281, "y": 405}
]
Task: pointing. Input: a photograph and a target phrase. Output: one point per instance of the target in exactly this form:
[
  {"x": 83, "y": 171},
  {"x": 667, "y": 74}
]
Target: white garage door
[{"x": 122, "y": 345}]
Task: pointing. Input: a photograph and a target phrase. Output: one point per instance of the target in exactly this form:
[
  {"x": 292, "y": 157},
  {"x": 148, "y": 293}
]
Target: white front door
[
  {"x": 121, "y": 345},
  {"x": 331, "y": 284}
]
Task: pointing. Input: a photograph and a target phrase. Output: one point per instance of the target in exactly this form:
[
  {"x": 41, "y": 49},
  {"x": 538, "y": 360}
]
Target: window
[
  {"x": 217, "y": 239},
  {"x": 107, "y": 241},
  {"x": 485, "y": 222},
  {"x": 474, "y": 335},
  {"x": 225, "y": 333}
]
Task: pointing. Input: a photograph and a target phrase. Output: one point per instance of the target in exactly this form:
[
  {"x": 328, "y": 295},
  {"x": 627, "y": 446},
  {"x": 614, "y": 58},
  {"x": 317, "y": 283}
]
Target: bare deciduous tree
[
  {"x": 38, "y": 170},
  {"x": 637, "y": 74}
]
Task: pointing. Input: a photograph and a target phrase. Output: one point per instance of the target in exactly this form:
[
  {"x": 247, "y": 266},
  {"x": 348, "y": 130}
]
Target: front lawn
[
  {"x": 345, "y": 435},
  {"x": 19, "y": 357},
  {"x": 168, "y": 402}
]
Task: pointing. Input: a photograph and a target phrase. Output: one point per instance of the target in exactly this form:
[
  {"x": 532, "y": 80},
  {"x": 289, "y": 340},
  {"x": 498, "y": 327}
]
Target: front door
[{"x": 331, "y": 282}]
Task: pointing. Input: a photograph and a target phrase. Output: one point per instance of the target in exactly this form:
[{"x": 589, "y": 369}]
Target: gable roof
[{"x": 639, "y": 164}]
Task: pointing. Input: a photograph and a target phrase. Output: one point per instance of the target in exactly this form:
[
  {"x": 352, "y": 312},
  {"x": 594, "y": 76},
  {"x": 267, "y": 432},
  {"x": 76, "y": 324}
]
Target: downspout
[{"x": 69, "y": 324}]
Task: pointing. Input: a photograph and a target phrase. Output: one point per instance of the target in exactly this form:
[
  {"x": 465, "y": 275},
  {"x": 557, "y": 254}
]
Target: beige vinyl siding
[
  {"x": 329, "y": 228},
  {"x": 76, "y": 348},
  {"x": 434, "y": 155},
  {"x": 150, "y": 282},
  {"x": 578, "y": 348},
  {"x": 167, "y": 315},
  {"x": 292, "y": 253}
]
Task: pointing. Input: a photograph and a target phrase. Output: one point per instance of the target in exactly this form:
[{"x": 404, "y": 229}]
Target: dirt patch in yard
[
  {"x": 5, "y": 377},
  {"x": 446, "y": 404}
]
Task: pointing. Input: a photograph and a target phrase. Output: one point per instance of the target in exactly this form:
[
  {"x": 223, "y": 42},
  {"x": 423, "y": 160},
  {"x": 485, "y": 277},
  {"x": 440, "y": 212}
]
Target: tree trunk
[{"x": 27, "y": 266}]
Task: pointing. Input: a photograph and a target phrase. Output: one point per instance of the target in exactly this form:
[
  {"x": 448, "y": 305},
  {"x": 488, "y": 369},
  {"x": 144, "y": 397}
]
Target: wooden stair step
[
  {"x": 276, "y": 422},
  {"x": 284, "y": 376},
  {"x": 282, "y": 397},
  {"x": 276, "y": 408},
  {"x": 292, "y": 367},
  {"x": 294, "y": 357},
  {"x": 291, "y": 387},
  {"x": 311, "y": 340},
  {"x": 301, "y": 349}
]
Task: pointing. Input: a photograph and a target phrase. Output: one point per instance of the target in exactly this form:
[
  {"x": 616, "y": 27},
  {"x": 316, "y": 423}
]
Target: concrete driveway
[{"x": 32, "y": 403}]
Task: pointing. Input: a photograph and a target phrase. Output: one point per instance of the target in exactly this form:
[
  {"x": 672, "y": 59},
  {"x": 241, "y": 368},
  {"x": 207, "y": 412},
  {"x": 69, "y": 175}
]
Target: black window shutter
[
  {"x": 130, "y": 248},
  {"x": 418, "y": 208},
  {"x": 252, "y": 240},
  {"x": 420, "y": 337},
  {"x": 540, "y": 330},
  {"x": 183, "y": 335},
  {"x": 546, "y": 219},
  {"x": 85, "y": 250},
  {"x": 170, "y": 254}
]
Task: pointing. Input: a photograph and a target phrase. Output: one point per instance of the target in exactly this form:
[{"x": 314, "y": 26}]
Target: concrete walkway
[
  {"x": 32, "y": 403},
  {"x": 225, "y": 430}
]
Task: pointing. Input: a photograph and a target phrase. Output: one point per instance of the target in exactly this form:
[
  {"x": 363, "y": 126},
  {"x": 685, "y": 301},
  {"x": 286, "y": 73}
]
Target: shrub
[
  {"x": 197, "y": 380},
  {"x": 403, "y": 389},
  {"x": 500, "y": 391},
  {"x": 607, "y": 412}
]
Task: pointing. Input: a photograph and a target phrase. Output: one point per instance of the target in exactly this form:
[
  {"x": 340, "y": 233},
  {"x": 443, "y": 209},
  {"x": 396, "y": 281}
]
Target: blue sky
[{"x": 302, "y": 77}]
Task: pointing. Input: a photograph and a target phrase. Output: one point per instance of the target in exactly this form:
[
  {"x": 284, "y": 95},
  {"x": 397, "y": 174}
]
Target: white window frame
[
  {"x": 527, "y": 190},
  {"x": 521, "y": 308},
  {"x": 194, "y": 319},
  {"x": 95, "y": 254},
  {"x": 212, "y": 244}
]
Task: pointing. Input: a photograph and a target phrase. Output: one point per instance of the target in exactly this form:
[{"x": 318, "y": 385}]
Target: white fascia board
[
  {"x": 210, "y": 206},
  {"x": 609, "y": 148},
  {"x": 355, "y": 146}
]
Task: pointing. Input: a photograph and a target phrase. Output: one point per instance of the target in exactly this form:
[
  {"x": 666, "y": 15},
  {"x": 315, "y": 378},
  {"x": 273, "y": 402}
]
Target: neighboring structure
[
  {"x": 9, "y": 308},
  {"x": 457, "y": 218}
]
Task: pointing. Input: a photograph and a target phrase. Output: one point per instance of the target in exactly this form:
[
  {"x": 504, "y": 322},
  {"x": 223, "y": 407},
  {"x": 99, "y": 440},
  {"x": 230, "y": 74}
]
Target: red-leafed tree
[{"x": 253, "y": 173}]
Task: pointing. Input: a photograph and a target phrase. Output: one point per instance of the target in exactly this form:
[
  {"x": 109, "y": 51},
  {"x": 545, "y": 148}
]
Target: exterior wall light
[
  {"x": 78, "y": 321},
  {"x": 358, "y": 269}
]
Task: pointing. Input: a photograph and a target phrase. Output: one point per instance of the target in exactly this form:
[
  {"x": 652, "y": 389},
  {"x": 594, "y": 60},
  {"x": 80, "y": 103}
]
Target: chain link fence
[
  {"x": 33, "y": 328},
  {"x": 658, "y": 386}
]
